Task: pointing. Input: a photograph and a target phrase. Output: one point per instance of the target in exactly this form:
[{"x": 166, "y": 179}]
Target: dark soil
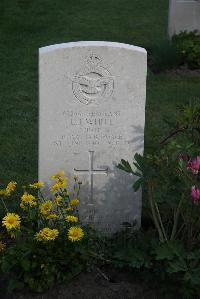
[{"x": 100, "y": 284}]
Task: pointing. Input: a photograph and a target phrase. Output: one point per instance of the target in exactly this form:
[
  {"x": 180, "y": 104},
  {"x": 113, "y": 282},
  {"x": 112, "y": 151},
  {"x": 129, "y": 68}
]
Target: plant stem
[
  {"x": 179, "y": 130},
  {"x": 161, "y": 223},
  {"x": 94, "y": 254},
  {"x": 150, "y": 196},
  {"x": 176, "y": 217},
  {"x": 103, "y": 274},
  {"x": 4, "y": 205},
  {"x": 180, "y": 229}
]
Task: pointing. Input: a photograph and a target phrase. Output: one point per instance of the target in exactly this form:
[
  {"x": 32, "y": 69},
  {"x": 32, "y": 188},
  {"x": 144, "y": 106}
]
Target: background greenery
[{"x": 26, "y": 25}]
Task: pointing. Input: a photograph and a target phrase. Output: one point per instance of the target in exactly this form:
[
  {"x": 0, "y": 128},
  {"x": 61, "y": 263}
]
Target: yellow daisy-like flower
[
  {"x": 11, "y": 221},
  {"x": 58, "y": 175},
  {"x": 55, "y": 188},
  {"x": 71, "y": 218},
  {"x": 58, "y": 200},
  {"x": 2, "y": 246},
  {"x": 74, "y": 201},
  {"x": 37, "y": 185},
  {"x": 75, "y": 233},
  {"x": 61, "y": 184},
  {"x": 46, "y": 207},
  {"x": 47, "y": 234},
  {"x": 28, "y": 200},
  {"x": 52, "y": 216},
  {"x": 10, "y": 188}
]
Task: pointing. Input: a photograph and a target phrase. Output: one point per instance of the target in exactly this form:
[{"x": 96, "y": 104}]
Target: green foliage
[
  {"x": 130, "y": 249},
  {"x": 182, "y": 50},
  {"x": 165, "y": 265},
  {"x": 46, "y": 242},
  {"x": 188, "y": 48},
  {"x": 167, "y": 177},
  {"x": 125, "y": 166},
  {"x": 39, "y": 266}
]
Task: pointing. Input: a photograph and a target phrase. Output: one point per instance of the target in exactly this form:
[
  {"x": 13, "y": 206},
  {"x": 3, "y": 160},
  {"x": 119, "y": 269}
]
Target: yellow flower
[
  {"x": 28, "y": 200},
  {"x": 46, "y": 207},
  {"x": 47, "y": 234},
  {"x": 58, "y": 200},
  {"x": 11, "y": 221},
  {"x": 61, "y": 184},
  {"x": 74, "y": 201},
  {"x": 52, "y": 216},
  {"x": 58, "y": 175},
  {"x": 10, "y": 188},
  {"x": 2, "y": 246},
  {"x": 55, "y": 188},
  {"x": 71, "y": 218},
  {"x": 75, "y": 233},
  {"x": 37, "y": 185},
  {"x": 3, "y": 192}
]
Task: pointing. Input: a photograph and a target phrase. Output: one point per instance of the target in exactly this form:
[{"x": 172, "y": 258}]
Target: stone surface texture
[
  {"x": 184, "y": 15},
  {"x": 92, "y": 114}
]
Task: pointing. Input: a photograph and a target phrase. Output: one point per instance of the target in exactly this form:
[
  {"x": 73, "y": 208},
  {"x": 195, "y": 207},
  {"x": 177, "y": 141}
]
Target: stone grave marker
[
  {"x": 92, "y": 114},
  {"x": 184, "y": 15}
]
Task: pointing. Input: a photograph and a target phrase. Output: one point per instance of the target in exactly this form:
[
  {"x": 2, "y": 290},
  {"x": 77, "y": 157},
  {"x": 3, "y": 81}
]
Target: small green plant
[
  {"x": 182, "y": 50},
  {"x": 46, "y": 242},
  {"x": 164, "y": 265},
  {"x": 188, "y": 47}
]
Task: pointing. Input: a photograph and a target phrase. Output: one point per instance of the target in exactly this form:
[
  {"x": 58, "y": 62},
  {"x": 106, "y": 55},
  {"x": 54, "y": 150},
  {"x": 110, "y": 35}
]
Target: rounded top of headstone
[{"x": 91, "y": 44}]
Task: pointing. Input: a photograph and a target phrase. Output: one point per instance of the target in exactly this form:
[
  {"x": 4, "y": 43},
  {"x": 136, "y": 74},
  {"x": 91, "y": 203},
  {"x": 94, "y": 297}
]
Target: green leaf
[
  {"x": 25, "y": 264},
  {"x": 193, "y": 276},
  {"x": 140, "y": 161},
  {"x": 125, "y": 166},
  {"x": 164, "y": 252},
  {"x": 178, "y": 265},
  {"x": 137, "y": 184}
]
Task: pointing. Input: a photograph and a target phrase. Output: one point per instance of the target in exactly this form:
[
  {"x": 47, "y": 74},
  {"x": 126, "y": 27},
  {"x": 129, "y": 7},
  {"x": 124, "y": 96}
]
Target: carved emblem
[{"x": 93, "y": 83}]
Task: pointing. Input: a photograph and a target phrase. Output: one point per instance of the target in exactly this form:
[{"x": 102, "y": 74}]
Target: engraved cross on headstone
[{"x": 91, "y": 171}]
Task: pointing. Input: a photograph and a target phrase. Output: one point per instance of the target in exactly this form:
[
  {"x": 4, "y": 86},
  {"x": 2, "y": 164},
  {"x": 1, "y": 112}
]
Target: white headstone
[
  {"x": 92, "y": 114},
  {"x": 184, "y": 15}
]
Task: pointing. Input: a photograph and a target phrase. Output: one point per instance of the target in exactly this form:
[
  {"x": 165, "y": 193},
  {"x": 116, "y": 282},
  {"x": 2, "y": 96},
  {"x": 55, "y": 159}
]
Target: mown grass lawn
[{"x": 26, "y": 25}]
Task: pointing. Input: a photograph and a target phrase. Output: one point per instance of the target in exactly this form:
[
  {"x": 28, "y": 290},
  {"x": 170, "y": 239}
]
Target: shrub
[
  {"x": 188, "y": 48},
  {"x": 171, "y": 179},
  {"x": 182, "y": 50}
]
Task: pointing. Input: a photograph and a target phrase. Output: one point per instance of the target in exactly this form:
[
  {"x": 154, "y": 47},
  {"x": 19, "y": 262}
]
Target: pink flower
[
  {"x": 194, "y": 164},
  {"x": 195, "y": 194}
]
